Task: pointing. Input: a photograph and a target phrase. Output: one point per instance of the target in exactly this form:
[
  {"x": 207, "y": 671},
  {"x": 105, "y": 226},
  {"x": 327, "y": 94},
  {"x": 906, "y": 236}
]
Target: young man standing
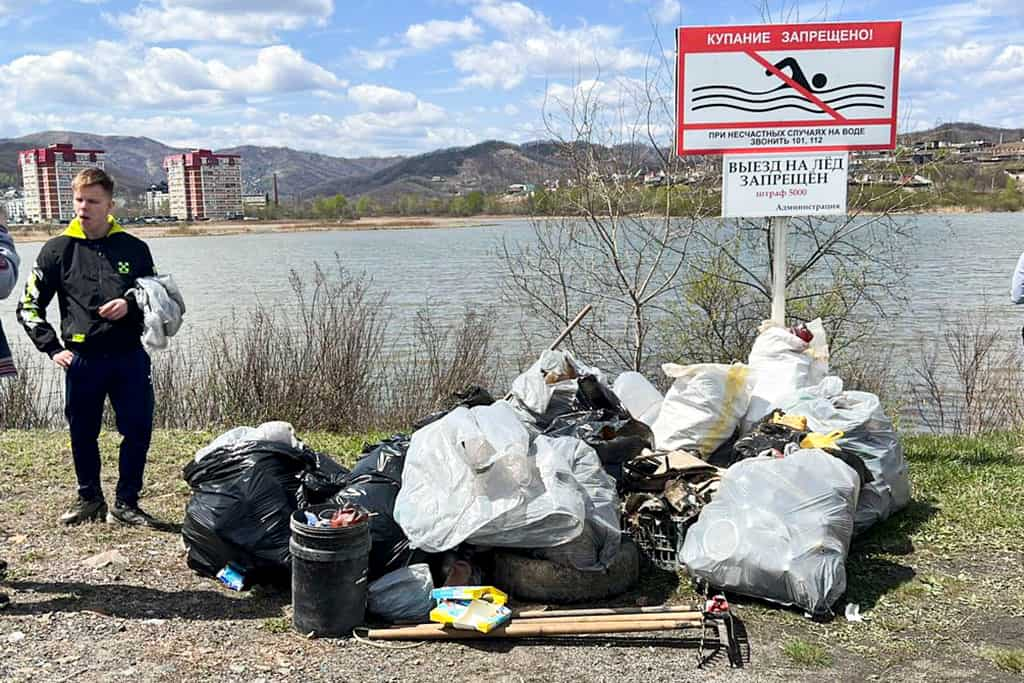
[
  {"x": 91, "y": 267},
  {"x": 8, "y": 277}
]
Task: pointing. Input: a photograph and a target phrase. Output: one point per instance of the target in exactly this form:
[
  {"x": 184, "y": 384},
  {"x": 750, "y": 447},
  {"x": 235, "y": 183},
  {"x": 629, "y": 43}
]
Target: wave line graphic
[
  {"x": 801, "y": 98},
  {"x": 786, "y": 106},
  {"x": 784, "y": 86}
]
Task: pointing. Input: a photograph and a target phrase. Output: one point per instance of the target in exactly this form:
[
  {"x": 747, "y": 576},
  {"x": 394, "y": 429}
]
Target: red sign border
[{"x": 895, "y": 26}]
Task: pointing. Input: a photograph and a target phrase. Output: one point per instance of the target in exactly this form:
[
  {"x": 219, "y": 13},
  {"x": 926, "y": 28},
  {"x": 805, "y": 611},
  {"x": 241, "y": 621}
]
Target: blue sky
[{"x": 374, "y": 78}]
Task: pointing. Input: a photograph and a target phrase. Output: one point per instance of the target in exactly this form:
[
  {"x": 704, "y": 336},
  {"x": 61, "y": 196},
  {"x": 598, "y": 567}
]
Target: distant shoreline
[
  {"x": 29, "y": 233},
  {"x": 25, "y": 234}
]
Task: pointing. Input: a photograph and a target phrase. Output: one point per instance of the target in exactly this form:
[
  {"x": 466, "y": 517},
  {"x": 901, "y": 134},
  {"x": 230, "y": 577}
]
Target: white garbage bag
[
  {"x": 638, "y": 396},
  {"x": 703, "y": 407},
  {"x": 572, "y": 511},
  {"x": 402, "y": 595},
  {"x": 782, "y": 363},
  {"x": 549, "y": 386},
  {"x": 461, "y": 473},
  {"x": 277, "y": 431},
  {"x": 869, "y": 433},
  {"x": 778, "y": 529}
]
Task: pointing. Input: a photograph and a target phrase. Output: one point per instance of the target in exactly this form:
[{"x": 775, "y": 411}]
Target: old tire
[{"x": 537, "y": 580}]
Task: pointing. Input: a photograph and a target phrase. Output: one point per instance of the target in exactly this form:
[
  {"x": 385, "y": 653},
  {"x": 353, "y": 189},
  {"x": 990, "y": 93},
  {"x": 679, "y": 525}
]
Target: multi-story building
[
  {"x": 157, "y": 199},
  {"x": 15, "y": 209},
  {"x": 46, "y": 175},
  {"x": 203, "y": 185}
]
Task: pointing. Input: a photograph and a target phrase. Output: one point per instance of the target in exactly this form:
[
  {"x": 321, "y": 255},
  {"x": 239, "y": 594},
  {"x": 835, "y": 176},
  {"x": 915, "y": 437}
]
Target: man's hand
[
  {"x": 115, "y": 309},
  {"x": 63, "y": 359}
]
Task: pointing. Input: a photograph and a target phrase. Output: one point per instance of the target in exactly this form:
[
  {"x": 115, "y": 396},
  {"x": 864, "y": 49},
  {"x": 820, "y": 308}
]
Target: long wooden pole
[
  {"x": 530, "y": 629},
  {"x": 565, "y": 333},
  {"x": 572, "y": 325},
  {"x": 596, "y": 611}
]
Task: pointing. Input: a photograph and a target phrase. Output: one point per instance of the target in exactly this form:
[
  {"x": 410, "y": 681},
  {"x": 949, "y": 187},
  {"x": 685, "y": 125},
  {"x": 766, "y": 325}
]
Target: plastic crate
[{"x": 658, "y": 534}]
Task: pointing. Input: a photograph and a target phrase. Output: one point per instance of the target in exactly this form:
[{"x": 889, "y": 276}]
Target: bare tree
[
  {"x": 610, "y": 243},
  {"x": 669, "y": 279}
]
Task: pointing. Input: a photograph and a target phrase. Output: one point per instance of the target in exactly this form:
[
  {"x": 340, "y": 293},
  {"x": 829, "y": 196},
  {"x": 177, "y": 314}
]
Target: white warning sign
[{"x": 809, "y": 184}]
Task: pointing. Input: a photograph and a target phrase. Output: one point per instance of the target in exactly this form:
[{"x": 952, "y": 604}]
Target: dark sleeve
[{"x": 39, "y": 290}]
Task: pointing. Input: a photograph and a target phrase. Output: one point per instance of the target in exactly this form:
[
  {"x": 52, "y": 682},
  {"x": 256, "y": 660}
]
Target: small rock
[
  {"x": 103, "y": 559},
  {"x": 237, "y": 669},
  {"x": 16, "y": 637},
  {"x": 155, "y": 622}
]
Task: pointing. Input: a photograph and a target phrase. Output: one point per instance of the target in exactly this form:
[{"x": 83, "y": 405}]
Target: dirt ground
[{"x": 936, "y": 609}]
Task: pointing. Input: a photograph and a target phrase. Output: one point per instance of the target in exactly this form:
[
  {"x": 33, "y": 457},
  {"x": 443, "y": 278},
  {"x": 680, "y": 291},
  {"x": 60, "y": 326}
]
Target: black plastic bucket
[{"x": 329, "y": 575}]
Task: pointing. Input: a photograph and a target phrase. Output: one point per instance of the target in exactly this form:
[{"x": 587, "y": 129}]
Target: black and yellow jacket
[{"x": 85, "y": 274}]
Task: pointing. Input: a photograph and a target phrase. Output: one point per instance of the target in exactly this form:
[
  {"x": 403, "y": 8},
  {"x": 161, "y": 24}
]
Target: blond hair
[{"x": 93, "y": 176}]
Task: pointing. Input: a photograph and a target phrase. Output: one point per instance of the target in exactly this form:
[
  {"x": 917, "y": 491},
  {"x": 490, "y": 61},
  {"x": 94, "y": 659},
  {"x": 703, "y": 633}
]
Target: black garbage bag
[
  {"x": 603, "y": 424},
  {"x": 767, "y": 435},
  {"x": 322, "y": 479},
  {"x": 771, "y": 435},
  {"x": 243, "y": 496},
  {"x": 374, "y": 484},
  {"x": 470, "y": 397}
]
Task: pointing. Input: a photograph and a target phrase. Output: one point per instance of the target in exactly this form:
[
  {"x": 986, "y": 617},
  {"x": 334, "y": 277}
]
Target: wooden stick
[
  {"x": 553, "y": 618},
  {"x": 606, "y": 618},
  {"x": 528, "y": 630},
  {"x": 655, "y": 609},
  {"x": 572, "y": 325},
  {"x": 565, "y": 333}
]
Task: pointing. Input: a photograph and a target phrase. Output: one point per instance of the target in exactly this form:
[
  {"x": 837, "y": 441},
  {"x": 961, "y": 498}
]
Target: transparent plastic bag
[
  {"x": 869, "y": 433},
  {"x": 778, "y": 529},
  {"x": 461, "y": 473},
  {"x": 703, "y": 407},
  {"x": 402, "y": 595},
  {"x": 783, "y": 363}
]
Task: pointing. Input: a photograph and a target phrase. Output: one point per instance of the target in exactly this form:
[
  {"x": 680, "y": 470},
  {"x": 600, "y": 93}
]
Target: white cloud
[
  {"x": 381, "y": 99},
  {"x": 156, "y": 77},
  {"x": 438, "y": 32},
  {"x": 510, "y": 17},
  {"x": 667, "y": 11},
  {"x": 534, "y": 47},
  {"x": 1007, "y": 67},
  {"x": 173, "y": 130},
  {"x": 375, "y": 60},
  {"x": 277, "y": 69},
  {"x": 969, "y": 55},
  {"x": 254, "y": 21}
]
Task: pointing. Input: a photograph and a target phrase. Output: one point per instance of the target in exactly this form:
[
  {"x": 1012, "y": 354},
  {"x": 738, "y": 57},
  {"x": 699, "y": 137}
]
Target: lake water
[{"x": 960, "y": 263}]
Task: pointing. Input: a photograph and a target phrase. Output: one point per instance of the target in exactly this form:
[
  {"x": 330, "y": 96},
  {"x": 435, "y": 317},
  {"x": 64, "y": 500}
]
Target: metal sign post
[{"x": 778, "y": 227}]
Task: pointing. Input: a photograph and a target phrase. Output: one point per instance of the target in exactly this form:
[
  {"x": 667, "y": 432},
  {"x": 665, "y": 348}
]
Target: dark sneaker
[
  {"x": 85, "y": 511},
  {"x": 130, "y": 515},
  {"x": 4, "y": 599},
  {"x": 3, "y": 569}
]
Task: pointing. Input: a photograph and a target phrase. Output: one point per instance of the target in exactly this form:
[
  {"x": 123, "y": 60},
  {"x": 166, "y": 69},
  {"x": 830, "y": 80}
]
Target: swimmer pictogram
[{"x": 800, "y": 94}]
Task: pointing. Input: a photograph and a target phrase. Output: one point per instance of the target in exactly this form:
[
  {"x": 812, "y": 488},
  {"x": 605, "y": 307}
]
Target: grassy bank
[{"x": 939, "y": 584}]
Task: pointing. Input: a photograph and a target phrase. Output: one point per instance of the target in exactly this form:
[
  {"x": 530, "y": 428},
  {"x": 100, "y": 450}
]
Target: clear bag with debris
[
  {"x": 549, "y": 388},
  {"x": 869, "y": 433},
  {"x": 778, "y": 529}
]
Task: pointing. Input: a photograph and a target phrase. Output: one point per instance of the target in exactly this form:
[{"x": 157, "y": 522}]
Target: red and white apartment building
[
  {"x": 203, "y": 185},
  {"x": 46, "y": 175}
]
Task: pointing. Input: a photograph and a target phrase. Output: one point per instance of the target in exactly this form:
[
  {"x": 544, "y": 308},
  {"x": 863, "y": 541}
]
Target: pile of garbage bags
[
  {"x": 807, "y": 465},
  {"x": 753, "y": 477}
]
